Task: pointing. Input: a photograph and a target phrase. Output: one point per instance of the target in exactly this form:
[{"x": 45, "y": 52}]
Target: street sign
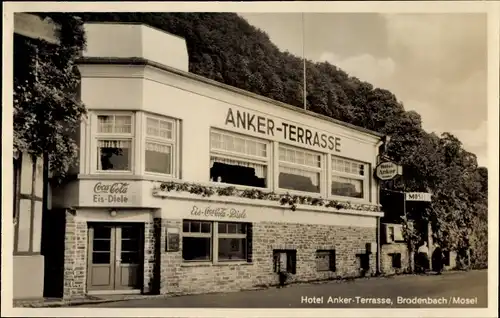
[
  {"x": 418, "y": 196},
  {"x": 387, "y": 170}
]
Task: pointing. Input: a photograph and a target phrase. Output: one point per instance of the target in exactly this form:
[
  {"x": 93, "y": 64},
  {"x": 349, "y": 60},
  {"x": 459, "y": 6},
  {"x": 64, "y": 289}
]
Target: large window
[
  {"x": 196, "y": 241},
  {"x": 160, "y": 145},
  {"x": 200, "y": 239},
  {"x": 114, "y": 142},
  {"x": 232, "y": 241},
  {"x": 349, "y": 178},
  {"x": 299, "y": 170},
  {"x": 240, "y": 160}
]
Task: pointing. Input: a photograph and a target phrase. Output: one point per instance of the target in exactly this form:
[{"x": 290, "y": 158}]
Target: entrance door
[{"x": 115, "y": 257}]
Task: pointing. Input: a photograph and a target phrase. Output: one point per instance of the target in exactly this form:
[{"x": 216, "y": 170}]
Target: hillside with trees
[{"x": 226, "y": 48}]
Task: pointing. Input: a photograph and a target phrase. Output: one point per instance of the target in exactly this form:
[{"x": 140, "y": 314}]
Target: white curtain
[{"x": 314, "y": 176}]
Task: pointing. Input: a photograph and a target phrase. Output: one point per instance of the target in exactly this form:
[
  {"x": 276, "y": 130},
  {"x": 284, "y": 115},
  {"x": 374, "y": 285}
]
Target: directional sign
[{"x": 418, "y": 196}]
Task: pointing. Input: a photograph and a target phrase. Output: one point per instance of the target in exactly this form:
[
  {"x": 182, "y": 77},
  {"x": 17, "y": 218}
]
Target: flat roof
[{"x": 146, "y": 62}]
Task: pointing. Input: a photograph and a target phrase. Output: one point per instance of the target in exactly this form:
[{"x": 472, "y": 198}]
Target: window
[
  {"x": 196, "y": 240},
  {"x": 325, "y": 260},
  {"x": 160, "y": 145},
  {"x": 446, "y": 258},
  {"x": 396, "y": 260},
  {"x": 114, "y": 142},
  {"x": 391, "y": 233},
  {"x": 285, "y": 260},
  {"x": 230, "y": 241},
  {"x": 235, "y": 159},
  {"x": 299, "y": 169},
  {"x": 364, "y": 261},
  {"x": 349, "y": 178}
]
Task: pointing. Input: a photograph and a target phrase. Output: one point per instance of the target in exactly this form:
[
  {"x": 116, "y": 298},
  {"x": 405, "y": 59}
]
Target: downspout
[{"x": 383, "y": 141}]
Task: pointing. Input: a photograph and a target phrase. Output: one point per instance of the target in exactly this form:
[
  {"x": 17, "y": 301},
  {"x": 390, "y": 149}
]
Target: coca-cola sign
[
  {"x": 112, "y": 192},
  {"x": 218, "y": 212},
  {"x": 113, "y": 188}
]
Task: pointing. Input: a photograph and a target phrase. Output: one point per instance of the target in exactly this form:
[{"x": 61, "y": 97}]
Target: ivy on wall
[{"x": 284, "y": 199}]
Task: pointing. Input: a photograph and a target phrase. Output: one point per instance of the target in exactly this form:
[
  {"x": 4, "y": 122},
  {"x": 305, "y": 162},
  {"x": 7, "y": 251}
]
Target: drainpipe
[
  {"x": 378, "y": 247},
  {"x": 383, "y": 141}
]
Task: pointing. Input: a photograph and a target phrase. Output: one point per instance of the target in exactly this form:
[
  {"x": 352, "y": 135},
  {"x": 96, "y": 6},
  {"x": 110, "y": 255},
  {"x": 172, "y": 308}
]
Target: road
[{"x": 469, "y": 288}]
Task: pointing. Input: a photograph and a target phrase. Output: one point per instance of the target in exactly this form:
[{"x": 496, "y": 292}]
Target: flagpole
[{"x": 304, "y": 59}]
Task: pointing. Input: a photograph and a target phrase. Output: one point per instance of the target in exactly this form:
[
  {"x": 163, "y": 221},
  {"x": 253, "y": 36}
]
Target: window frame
[
  {"x": 243, "y": 236},
  {"x": 290, "y": 254},
  {"x": 364, "y": 178},
  {"x": 214, "y": 239},
  {"x": 173, "y": 143},
  {"x": 97, "y": 137},
  {"x": 332, "y": 265},
  {"x": 321, "y": 170},
  {"x": 230, "y": 155},
  {"x": 396, "y": 260},
  {"x": 199, "y": 235}
]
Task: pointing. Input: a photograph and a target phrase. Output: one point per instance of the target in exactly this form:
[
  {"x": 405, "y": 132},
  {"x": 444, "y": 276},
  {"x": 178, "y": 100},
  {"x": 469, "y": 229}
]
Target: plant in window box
[{"x": 283, "y": 199}]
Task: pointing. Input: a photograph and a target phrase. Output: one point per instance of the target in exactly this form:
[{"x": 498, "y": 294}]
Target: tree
[{"x": 47, "y": 107}]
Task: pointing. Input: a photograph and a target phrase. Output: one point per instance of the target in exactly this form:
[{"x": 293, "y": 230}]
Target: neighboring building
[
  {"x": 28, "y": 185},
  {"x": 112, "y": 230}
]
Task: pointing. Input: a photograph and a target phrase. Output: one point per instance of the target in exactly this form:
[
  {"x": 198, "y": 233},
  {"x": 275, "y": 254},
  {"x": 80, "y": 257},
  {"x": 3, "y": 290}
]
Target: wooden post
[{"x": 430, "y": 243}]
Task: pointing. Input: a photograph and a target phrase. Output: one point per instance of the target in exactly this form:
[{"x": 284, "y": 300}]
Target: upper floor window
[
  {"x": 114, "y": 137},
  {"x": 160, "y": 145},
  {"x": 349, "y": 178},
  {"x": 299, "y": 169},
  {"x": 237, "y": 159}
]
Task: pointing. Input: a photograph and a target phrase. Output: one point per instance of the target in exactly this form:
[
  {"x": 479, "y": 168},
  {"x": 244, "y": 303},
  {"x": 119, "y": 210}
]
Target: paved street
[{"x": 445, "y": 289}]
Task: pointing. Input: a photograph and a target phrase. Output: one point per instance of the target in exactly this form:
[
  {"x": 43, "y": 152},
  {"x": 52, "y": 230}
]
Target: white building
[{"x": 135, "y": 220}]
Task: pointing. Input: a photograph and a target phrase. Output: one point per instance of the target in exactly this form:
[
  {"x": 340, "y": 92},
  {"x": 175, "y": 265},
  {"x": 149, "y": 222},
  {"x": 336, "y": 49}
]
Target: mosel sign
[
  {"x": 418, "y": 196},
  {"x": 387, "y": 170}
]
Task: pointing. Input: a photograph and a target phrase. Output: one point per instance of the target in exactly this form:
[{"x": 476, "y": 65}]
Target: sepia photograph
[{"x": 242, "y": 157}]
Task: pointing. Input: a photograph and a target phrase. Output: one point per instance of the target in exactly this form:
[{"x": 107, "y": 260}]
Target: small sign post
[{"x": 388, "y": 170}]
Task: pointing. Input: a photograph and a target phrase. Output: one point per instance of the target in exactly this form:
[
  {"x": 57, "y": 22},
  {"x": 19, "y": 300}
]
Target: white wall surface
[
  {"x": 197, "y": 104},
  {"x": 135, "y": 40}
]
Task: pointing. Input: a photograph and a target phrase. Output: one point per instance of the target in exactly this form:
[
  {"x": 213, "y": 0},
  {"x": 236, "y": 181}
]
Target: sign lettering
[
  {"x": 418, "y": 196},
  {"x": 111, "y": 193},
  {"x": 386, "y": 170},
  {"x": 267, "y": 126},
  {"x": 219, "y": 212}
]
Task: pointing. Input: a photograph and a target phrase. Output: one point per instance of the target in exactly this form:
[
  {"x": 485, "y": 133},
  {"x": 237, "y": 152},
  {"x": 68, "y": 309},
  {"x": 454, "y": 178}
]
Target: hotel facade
[{"x": 185, "y": 185}]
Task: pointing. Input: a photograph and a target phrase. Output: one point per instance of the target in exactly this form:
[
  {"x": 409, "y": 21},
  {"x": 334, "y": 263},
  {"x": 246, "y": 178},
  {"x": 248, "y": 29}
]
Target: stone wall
[
  {"x": 386, "y": 259},
  {"x": 181, "y": 278},
  {"x": 75, "y": 257},
  {"x": 149, "y": 257}
]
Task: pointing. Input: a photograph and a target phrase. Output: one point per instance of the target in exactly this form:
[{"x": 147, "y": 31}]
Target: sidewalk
[{"x": 57, "y": 302}]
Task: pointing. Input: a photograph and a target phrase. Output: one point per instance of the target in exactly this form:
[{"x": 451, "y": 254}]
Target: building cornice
[{"x": 137, "y": 61}]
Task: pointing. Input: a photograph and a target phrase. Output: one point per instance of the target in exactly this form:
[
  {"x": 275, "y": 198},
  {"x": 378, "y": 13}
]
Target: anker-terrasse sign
[{"x": 289, "y": 131}]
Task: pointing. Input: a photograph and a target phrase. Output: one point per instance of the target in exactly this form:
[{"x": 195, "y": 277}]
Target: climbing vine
[{"x": 47, "y": 106}]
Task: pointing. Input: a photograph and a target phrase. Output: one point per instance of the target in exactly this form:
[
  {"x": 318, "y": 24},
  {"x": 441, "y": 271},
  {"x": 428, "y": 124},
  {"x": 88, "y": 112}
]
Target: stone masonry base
[
  {"x": 180, "y": 278},
  {"x": 165, "y": 272}
]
